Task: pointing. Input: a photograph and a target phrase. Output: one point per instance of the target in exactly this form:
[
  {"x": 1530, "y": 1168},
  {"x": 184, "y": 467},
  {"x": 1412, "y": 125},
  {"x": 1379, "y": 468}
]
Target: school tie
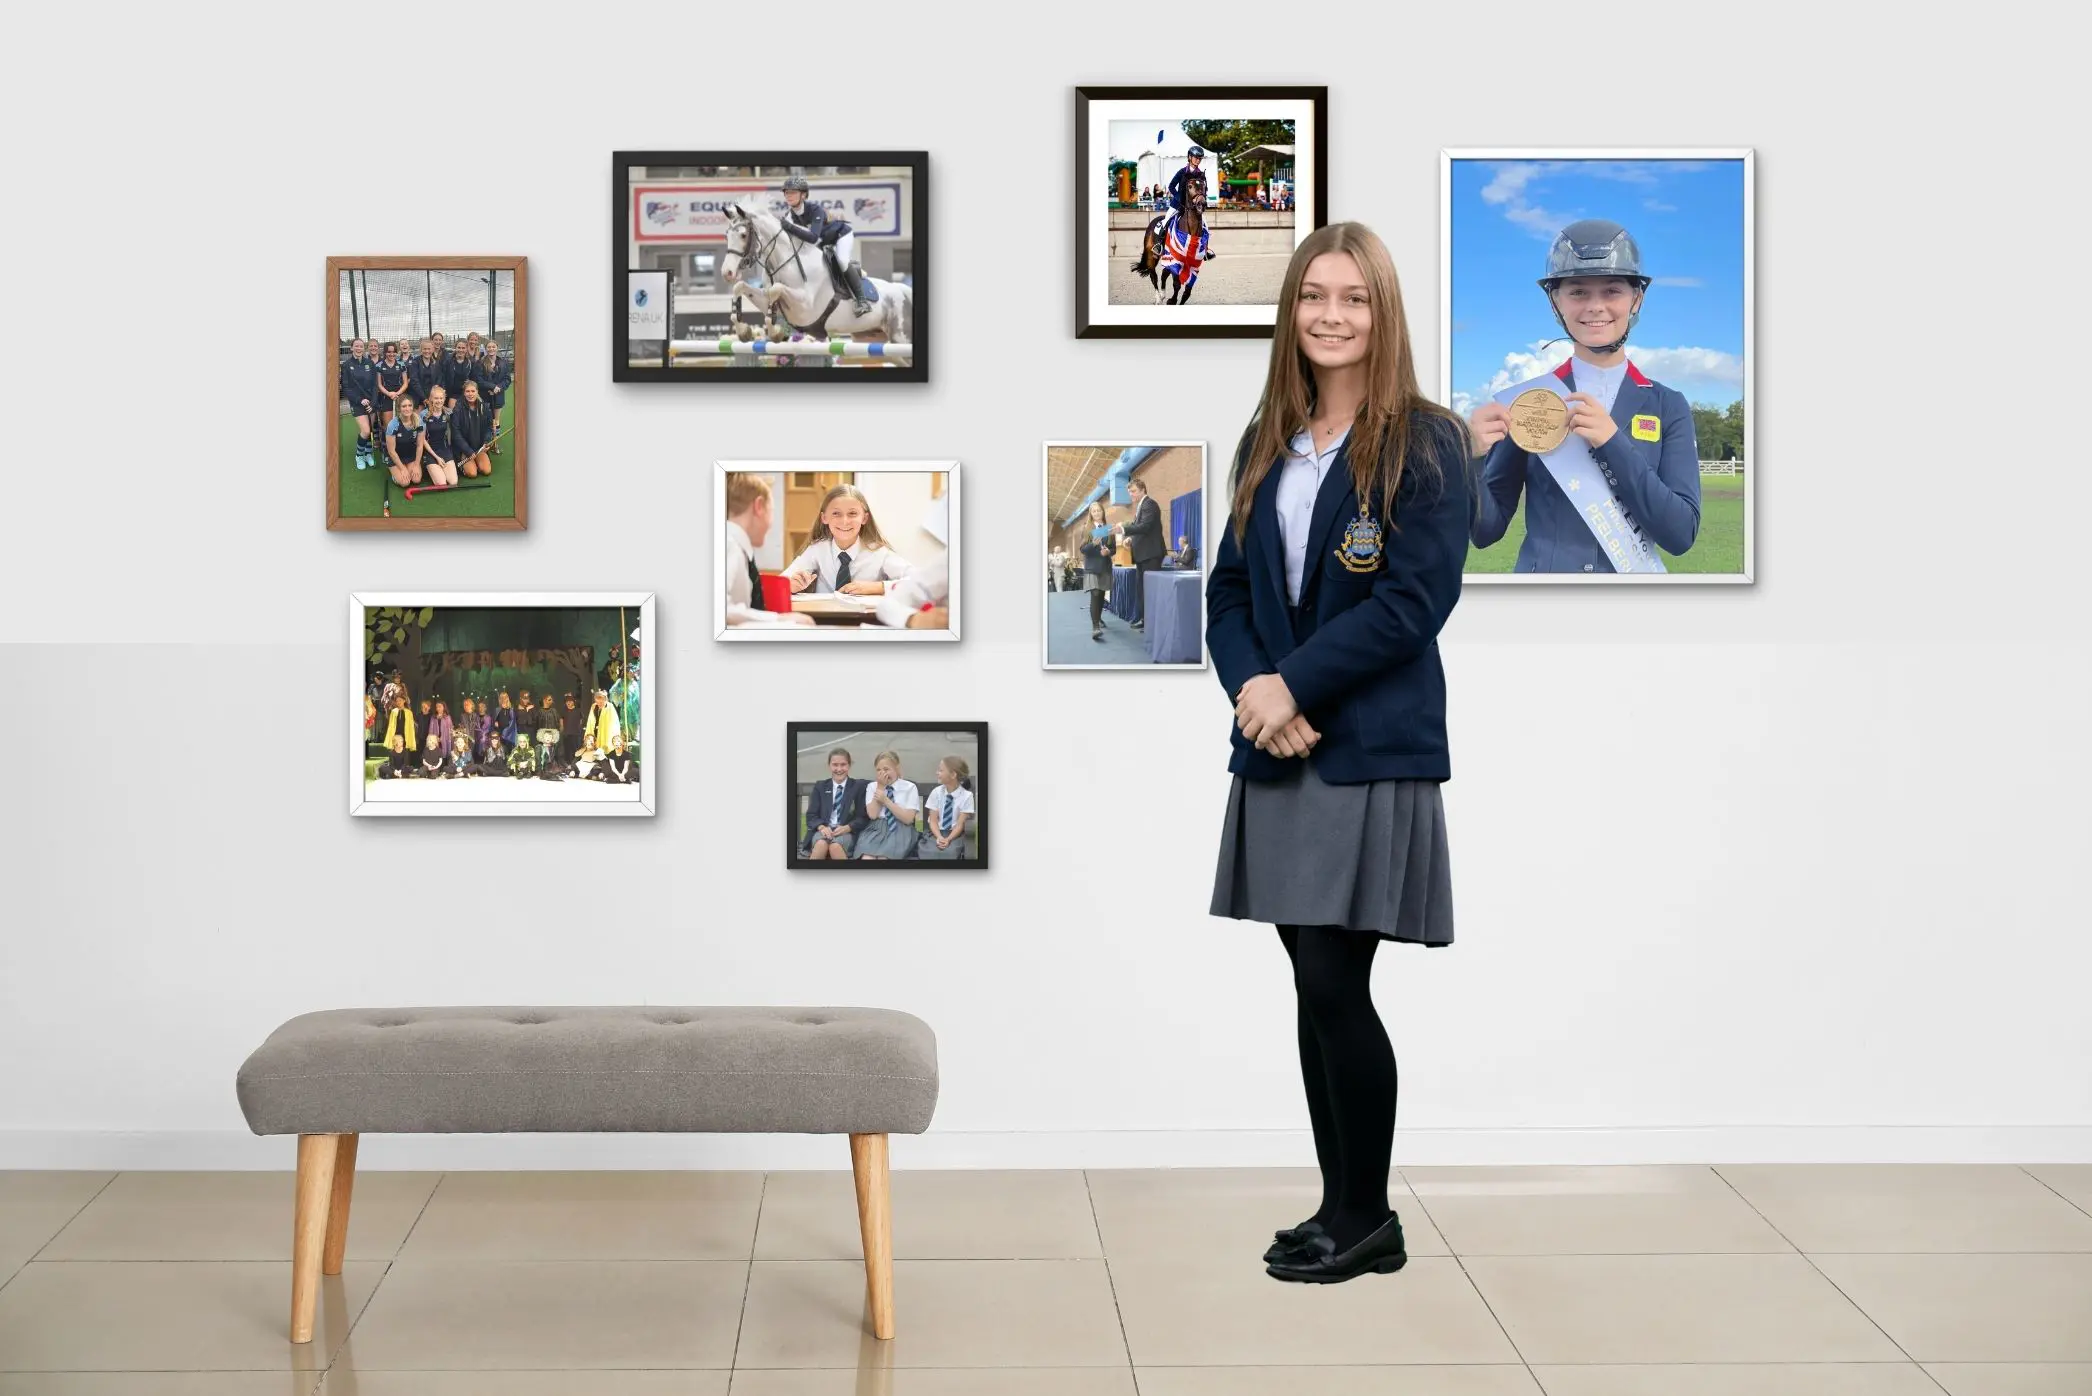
[
  {"x": 842, "y": 570},
  {"x": 887, "y": 795},
  {"x": 835, "y": 805},
  {"x": 755, "y": 586},
  {"x": 945, "y": 820}
]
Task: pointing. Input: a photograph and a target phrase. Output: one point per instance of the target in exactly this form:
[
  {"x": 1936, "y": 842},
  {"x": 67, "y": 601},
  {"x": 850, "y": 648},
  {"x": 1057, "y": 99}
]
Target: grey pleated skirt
[{"x": 1299, "y": 852}]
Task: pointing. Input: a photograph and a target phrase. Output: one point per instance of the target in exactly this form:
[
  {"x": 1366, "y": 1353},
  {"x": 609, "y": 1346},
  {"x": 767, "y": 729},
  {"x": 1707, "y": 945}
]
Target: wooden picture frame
[
  {"x": 396, "y": 516},
  {"x": 919, "y": 746},
  {"x": 725, "y": 340},
  {"x": 1098, "y": 257}
]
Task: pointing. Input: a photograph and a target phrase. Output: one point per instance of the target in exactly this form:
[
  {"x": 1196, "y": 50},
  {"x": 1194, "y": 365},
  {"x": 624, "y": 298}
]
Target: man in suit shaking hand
[
  {"x": 1143, "y": 534},
  {"x": 835, "y": 813}
]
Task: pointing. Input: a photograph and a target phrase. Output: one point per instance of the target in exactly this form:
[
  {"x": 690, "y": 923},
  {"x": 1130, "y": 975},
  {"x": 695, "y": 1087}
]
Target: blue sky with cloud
[{"x": 1686, "y": 215}]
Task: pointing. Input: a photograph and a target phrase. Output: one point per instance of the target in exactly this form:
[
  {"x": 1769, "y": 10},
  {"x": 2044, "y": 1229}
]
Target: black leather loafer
[
  {"x": 1292, "y": 1238},
  {"x": 1380, "y": 1253}
]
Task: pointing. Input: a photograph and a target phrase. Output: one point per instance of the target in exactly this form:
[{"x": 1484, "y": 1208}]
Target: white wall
[{"x": 1855, "y": 839}]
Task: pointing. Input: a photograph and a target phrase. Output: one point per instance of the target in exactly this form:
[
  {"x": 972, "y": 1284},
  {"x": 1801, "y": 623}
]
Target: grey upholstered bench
[{"x": 330, "y": 1077}]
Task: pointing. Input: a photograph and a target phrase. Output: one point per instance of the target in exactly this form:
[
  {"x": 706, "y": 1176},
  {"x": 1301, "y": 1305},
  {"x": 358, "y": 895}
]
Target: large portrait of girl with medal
[{"x": 1596, "y": 335}]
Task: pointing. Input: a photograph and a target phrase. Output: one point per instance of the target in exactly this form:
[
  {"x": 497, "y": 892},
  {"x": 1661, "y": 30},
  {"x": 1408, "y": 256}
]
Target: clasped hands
[{"x": 1268, "y": 716}]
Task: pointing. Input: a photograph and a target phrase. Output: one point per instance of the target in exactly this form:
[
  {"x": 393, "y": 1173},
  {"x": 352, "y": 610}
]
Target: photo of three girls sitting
[{"x": 888, "y": 817}]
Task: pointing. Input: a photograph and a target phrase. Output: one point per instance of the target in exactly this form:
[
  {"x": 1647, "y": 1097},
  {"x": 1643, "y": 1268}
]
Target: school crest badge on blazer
[{"x": 1363, "y": 546}]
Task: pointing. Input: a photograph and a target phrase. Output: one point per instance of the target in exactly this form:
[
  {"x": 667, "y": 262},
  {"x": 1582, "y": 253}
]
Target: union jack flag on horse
[{"x": 1175, "y": 246}]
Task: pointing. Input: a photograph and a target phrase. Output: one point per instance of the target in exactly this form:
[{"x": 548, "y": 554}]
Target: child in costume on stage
[
  {"x": 461, "y": 755},
  {"x": 398, "y": 764},
  {"x": 433, "y": 765},
  {"x": 522, "y": 762},
  {"x": 619, "y": 768},
  {"x": 494, "y": 761}
]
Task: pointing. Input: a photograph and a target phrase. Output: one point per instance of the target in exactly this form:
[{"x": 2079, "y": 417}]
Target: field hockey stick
[{"x": 439, "y": 489}]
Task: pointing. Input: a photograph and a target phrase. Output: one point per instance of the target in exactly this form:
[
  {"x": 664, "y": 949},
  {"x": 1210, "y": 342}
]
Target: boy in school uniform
[
  {"x": 835, "y": 812},
  {"x": 748, "y": 521}
]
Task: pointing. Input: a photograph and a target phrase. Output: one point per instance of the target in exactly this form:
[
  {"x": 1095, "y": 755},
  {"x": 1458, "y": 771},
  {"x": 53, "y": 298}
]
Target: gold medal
[
  {"x": 1363, "y": 545},
  {"x": 1539, "y": 421}
]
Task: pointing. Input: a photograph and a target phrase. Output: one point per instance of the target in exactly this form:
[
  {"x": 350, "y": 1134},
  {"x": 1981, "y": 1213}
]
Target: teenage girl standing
[{"x": 1346, "y": 533}]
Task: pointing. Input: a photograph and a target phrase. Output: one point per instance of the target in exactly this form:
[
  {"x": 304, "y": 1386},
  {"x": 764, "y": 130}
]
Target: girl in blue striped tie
[
  {"x": 947, "y": 813},
  {"x": 894, "y": 806}
]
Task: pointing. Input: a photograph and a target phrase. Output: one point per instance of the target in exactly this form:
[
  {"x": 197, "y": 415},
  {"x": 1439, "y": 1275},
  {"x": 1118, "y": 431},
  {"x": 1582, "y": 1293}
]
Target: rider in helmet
[
  {"x": 1194, "y": 172},
  {"x": 807, "y": 221},
  {"x": 1639, "y": 432}
]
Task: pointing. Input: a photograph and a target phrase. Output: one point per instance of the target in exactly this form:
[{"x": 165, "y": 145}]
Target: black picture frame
[
  {"x": 796, "y": 793},
  {"x": 916, "y": 369},
  {"x": 1085, "y": 200}
]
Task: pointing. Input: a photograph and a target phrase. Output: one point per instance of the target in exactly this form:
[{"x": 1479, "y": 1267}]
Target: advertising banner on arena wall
[
  {"x": 646, "y": 305},
  {"x": 694, "y": 211}
]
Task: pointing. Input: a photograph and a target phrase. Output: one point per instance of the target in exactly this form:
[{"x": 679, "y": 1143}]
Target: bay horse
[{"x": 1173, "y": 248}]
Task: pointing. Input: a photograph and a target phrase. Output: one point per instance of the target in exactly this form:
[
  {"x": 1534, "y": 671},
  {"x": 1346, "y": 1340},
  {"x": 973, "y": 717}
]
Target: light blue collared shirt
[{"x": 1299, "y": 481}]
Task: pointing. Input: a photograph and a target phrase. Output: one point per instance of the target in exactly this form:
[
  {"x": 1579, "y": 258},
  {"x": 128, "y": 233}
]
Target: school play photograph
[
  {"x": 905, "y": 794},
  {"x": 1125, "y": 583},
  {"x": 494, "y": 704},
  {"x": 769, "y": 266},
  {"x": 837, "y": 550},
  {"x": 1596, "y": 334},
  {"x": 425, "y": 393},
  {"x": 1190, "y": 204}
]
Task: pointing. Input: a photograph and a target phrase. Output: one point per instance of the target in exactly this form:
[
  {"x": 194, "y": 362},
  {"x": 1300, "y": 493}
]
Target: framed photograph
[
  {"x": 503, "y": 703},
  {"x": 769, "y": 266},
  {"x": 898, "y": 795},
  {"x": 837, "y": 550},
  {"x": 427, "y": 375},
  {"x": 1125, "y": 555},
  {"x": 1595, "y": 309},
  {"x": 1189, "y": 202}
]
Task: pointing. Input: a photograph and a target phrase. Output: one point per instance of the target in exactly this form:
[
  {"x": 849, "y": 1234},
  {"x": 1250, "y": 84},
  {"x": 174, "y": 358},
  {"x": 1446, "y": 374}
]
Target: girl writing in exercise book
[
  {"x": 845, "y": 552},
  {"x": 1347, "y": 529},
  {"x": 893, "y": 806}
]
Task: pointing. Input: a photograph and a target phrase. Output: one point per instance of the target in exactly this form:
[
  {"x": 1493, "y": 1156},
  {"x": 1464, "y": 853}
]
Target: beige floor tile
[
  {"x": 2013, "y": 1378},
  {"x": 188, "y": 1316},
  {"x": 572, "y": 1383},
  {"x": 453, "y": 1315},
  {"x": 2073, "y": 1180},
  {"x": 589, "y": 1216},
  {"x": 1189, "y": 1313},
  {"x": 1020, "y": 1214},
  {"x": 1974, "y": 1308},
  {"x": 1741, "y": 1379},
  {"x": 947, "y": 1313},
  {"x": 159, "y": 1384},
  {"x": 1589, "y": 1211},
  {"x": 1675, "y": 1308},
  {"x": 1493, "y": 1380},
  {"x": 35, "y": 1206},
  {"x": 231, "y": 1216},
  {"x": 1929, "y": 1207},
  {"x": 962, "y": 1381},
  {"x": 1223, "y": 1215}
]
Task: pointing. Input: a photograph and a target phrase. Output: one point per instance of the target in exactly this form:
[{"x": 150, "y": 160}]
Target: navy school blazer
[
  {"x": 1658, "y": 482},
  {"x": 1360, "y": 651},
  {"x": 818, "y": 807}
]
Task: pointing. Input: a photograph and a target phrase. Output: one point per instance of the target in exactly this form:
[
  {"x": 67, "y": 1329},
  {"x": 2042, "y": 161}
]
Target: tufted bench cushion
[{"x": 561, "y": 1070}]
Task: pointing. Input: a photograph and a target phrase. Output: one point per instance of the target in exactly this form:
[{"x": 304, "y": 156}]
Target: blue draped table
[
  {"x": 1122, "y": 582},
  {"x": 1173, "y": 617}
]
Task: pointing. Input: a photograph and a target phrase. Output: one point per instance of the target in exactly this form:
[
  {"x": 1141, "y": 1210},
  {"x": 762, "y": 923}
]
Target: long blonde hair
[
  {"x": 1379, "y": 444},
  {"x": 870, "y": 531}
]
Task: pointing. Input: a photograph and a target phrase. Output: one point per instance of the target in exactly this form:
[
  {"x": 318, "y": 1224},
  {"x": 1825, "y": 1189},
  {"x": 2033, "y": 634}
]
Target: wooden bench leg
[
  {"x": 875, "y": 1221},
  {"x": 338, "y": 1205},
  {"x": 316, "y": 1155}
]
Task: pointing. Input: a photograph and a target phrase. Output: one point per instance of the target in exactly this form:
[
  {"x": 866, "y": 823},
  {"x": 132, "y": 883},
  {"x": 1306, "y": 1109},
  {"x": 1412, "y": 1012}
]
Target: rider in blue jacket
[
  {"x": 807, "y": 221},
  {"x": 1193, "y": 173}
]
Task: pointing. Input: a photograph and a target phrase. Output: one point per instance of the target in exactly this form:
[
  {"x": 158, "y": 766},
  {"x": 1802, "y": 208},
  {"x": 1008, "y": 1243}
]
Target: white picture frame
[
  {"x": 1747, "y": 466},
  {"x": 923, "y": 510},
  {"x": 567, "y": 798},
  {"x": 1053, "y": 511}
]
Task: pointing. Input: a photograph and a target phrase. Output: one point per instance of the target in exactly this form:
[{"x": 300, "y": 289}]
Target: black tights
[
  {"x": 1348, "y": 1067},
  {"x": 1096, "y": 610}
]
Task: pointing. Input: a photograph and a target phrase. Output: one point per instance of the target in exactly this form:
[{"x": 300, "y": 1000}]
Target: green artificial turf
[
  {"x": 1718, "y": 551},
  {"x": 362, "y": 491}
]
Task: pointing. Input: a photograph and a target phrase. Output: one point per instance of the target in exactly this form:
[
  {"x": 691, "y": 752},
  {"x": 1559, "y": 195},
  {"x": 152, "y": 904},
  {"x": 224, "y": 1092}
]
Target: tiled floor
[{"x": 1636, "y": 1281}]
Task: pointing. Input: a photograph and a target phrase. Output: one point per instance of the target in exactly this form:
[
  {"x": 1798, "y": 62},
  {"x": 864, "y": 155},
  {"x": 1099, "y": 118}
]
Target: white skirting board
[{"x": 204, "y": 1149}]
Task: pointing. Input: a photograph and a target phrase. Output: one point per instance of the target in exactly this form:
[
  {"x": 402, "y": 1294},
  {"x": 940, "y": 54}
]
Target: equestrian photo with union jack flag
[{"x": 1191, "y": 203}]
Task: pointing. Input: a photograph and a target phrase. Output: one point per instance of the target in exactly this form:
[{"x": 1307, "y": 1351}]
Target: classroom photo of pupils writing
[
  {"x": 838, "y": 550},
  {"x": 911, "y": 793},
  {"x": 478, "y": 705},
  {"x": 1125, "y": 555}
]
